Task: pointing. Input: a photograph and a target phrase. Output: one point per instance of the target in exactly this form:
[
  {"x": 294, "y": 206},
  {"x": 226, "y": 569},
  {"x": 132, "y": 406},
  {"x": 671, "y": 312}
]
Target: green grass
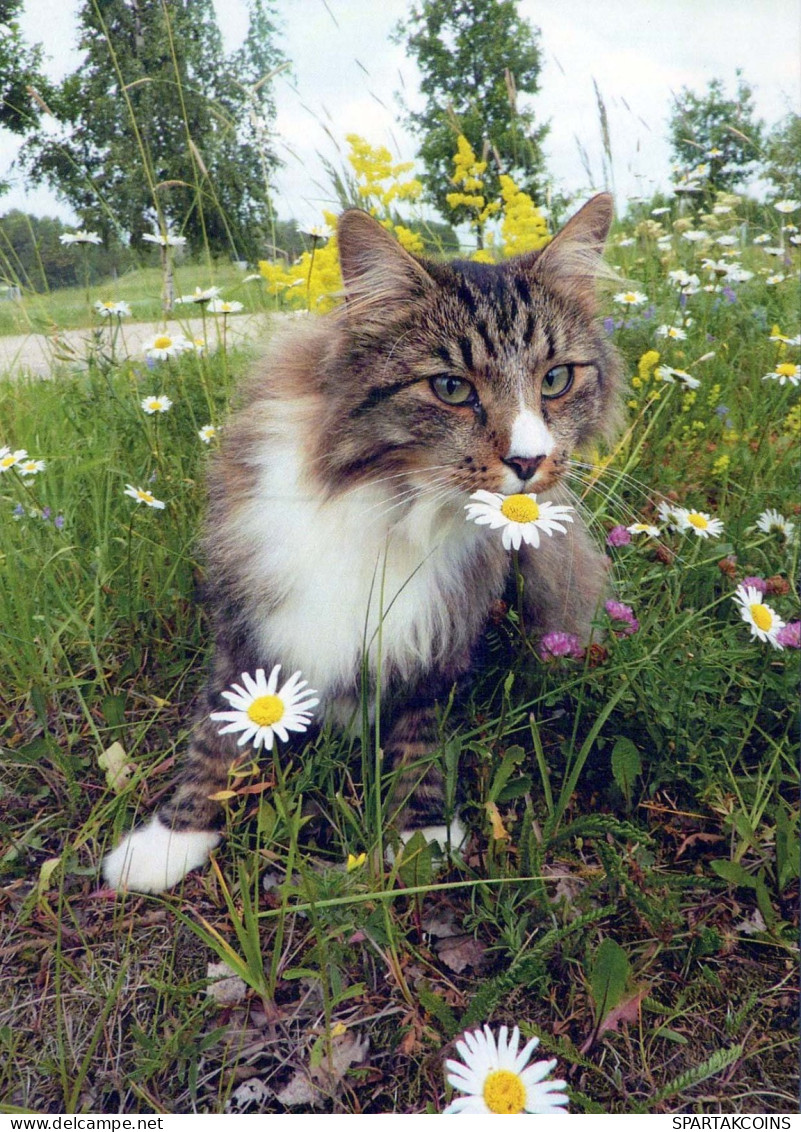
[
  {"x": 649, "y": 794},
  {"x": 67, "y": 308}
]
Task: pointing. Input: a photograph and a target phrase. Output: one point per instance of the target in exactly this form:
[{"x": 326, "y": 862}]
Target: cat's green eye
[
  {"x": 454, "y": 391},
  {"x": 557, "y": 381}
]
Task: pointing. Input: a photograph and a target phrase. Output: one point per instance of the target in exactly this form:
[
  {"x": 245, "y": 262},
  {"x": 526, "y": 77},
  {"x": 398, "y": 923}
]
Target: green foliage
[
  {"x": 20, "y": 68},
  {"x": 32, "y": 256},
  {"x": 478, "y": 60},
  {"x": 158, "y": 127},
  {"x": 718, "y": 133},
  {"x": 609, "y": 976},
  {"x": 782, "y": 157}
]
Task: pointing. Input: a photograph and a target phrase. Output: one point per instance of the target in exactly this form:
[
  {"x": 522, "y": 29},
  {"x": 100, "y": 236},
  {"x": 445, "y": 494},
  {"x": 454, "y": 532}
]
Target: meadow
[{"x": 629, "y": 892}]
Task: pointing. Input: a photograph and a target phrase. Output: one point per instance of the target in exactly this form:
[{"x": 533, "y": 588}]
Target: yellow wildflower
[
  {"x": 647, "y": 364},
  {"x": 523, "y": 228}
]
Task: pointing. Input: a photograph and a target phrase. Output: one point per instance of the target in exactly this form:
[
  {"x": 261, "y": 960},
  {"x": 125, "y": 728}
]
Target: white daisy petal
[
  {"x": 264, "y": 711},
  {"x": 497, "y": 1079}
]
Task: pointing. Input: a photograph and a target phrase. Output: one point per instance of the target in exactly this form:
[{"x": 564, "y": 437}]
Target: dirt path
[{"x": 38, "y": 354}]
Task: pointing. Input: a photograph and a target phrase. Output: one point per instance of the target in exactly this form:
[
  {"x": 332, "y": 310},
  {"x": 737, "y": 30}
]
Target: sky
[{"x": 346, "y": 75}]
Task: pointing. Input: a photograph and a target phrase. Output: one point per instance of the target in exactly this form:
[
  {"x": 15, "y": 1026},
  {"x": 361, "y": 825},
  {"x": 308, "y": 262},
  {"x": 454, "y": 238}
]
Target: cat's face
[{"x": 466, "y": 376}]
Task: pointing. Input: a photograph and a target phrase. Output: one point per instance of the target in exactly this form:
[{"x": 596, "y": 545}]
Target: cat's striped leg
[
  {"x": 417, "y": 799},
  {"x": 179, "y": 838}
]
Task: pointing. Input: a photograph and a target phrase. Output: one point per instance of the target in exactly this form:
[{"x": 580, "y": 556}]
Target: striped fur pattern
[{"x": 337, "y": 499}]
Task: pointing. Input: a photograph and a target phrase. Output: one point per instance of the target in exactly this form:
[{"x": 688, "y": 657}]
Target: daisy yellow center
[
  {"x": 162, "y": 343},
  {"x": 629, "y": 297},
  {"x": 7, "y": 462},
  {"x": 698, "y": 521},
  {"x": 504, "y": 1092},
  {"x": 266, "y": 710},
  {"x": 520, "y": 509},
  {"x": 762, "y": 616},
  {"x": 785, "y": 369},
  {"x": 146, "y": 496}
]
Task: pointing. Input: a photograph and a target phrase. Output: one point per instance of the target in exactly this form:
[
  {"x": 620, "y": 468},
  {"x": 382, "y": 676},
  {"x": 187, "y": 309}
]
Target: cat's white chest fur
[{"x": 347, "y": 575}]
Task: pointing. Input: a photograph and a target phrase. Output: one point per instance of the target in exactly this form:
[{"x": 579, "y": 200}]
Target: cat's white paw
[
  {"x": 154, "y": 858},
  {"x": 454, "y": 834}
]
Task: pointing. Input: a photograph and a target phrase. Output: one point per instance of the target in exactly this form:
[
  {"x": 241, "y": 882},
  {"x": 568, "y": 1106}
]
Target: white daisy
[
  {"x": 9, "y": 459},
  {"x": 316, "y": 231},
  {"x": 737, "y": 274},
  {"x": 763, "y": 239},
  {"x": 141, "y": 495},
  {"x": 153, "y": 405},
  {"x": 166, "y": 346},
  {"x": 703, "y": 525},
  {"x": 777, "y": 336},
  {"x": 520, "y": 516},
  {"x": 695, "y": 235},
  {"x": 644, "y": 529},
  {"x": 727, "y": 240},
  {"x": 631, "y": 298},
  {"x": 498, "y": 1079},
  {"x": 166, "y": 241},
  {"x": 716, "y": 266},
  {"x": 771, "y": 520},
  {"x": 261, "y": 713},
  {"x": 200, "y": 296},
  {"x": 773, "y": 280},
  {"x": 207, "y": 433},
  {"x": 669, "y": 513},
  {"x": 784, "y": 371},
  {"x": 80, "y": 237},
  {"x": 30, "y": 467},
  {"x": 676, "y": 332},
  {"x": 219, "y": 306},
  {"x": 671, "y": 376},
  {"x": 659, "y": 211},
  {"x": 108, "y": 309},
  {"x": 787, "y": 206},
  {"x": 764, "y": 623}
]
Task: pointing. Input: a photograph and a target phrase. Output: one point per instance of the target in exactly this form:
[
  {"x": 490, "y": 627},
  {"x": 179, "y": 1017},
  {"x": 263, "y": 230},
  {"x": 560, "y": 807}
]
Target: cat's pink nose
[{"x": 523, "y": 467}]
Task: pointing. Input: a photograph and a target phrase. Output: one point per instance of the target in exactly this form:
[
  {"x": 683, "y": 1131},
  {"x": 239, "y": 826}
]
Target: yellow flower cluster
[
  {"x": 468, "y": 177},
  {"x": 379, "y": 179},
  {"x": 523, "y": 228},
  {"x": 314, "y": 280},
  {"x": 645, "y": 374},
  {"x": 792, "y": 422}
]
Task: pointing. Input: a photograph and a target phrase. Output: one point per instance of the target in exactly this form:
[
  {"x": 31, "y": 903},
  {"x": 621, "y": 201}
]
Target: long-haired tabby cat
[{"x": 355, "y": 450}]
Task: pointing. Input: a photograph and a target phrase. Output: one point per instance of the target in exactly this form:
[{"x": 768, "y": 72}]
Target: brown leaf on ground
[
  {"x": 695, "y": 838},
  {"x": 626, "y": 1011},
  {"x": 227, "y": 988},
  {"x": 313, "y": 1086},
  {"x": 461, "y": 951}
]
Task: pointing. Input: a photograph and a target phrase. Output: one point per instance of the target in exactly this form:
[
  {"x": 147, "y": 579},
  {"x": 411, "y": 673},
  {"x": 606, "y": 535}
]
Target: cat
[{"x": 358, "y": 443}]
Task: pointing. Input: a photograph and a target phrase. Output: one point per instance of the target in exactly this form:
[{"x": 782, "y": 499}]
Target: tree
[
  {"x": 477, "y": 58},
  {"x": 716, "y": 140},
  {"x": 782, "y": 161},
  {"x": 20, "y": 68},
  {"x": 158, "y": 127}
]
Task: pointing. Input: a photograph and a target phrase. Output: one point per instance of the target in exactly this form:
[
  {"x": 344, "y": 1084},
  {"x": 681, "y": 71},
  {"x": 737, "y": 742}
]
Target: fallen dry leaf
[
  {"x": 118, "y": 770},
  {"x": 626, "y": 1011},
  {"x": 314, "y": 1086},
  {"x": 460, "y": 951},
  {"x": 227, "y": 989}
]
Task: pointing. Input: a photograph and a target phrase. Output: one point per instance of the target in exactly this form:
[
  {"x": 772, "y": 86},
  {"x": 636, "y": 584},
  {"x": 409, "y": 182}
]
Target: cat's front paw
[
  {"x": 451, "y": 836},
  {"x": 153, "y": 858}
]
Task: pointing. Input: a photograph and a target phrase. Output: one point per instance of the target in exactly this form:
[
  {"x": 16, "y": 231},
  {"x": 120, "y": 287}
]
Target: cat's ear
[
  {"x": 572, "y": 260},
  {"x": 379, "y": 275}
]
